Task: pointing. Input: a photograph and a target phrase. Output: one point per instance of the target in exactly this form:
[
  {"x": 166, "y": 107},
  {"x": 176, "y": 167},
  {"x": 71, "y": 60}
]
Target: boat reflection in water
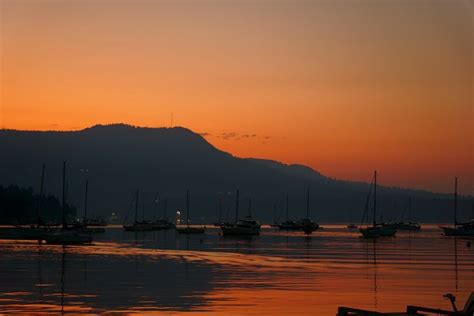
[{"x": 277, "y": 272}]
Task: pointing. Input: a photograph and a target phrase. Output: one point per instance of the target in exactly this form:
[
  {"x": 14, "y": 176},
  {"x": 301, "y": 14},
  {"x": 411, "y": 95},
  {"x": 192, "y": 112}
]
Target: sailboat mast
[
  {"x": 187, "y": 207},
  {"x": 375, "y": 197},
  {"x": 455, "y": 201},
  {"x": 41, "y": 195},
  {"x": 307, "y": 203},
  {"x": 237, "y": 206},
  {"x": 136, "y": 208},
  {"x": 64, "y": 197},
  {"x": 85, "y": 203},
  {"x": 287, "y": 207}
]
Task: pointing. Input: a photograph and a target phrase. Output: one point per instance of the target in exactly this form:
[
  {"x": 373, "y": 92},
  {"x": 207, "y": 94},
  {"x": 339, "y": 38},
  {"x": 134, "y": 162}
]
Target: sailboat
[
  {"x": 138, "y": 226},
  {"x": 289, "y": 224},
  {"x": 66, "y": 235},
  {"x": 84, "y": 223},
  {"x": 275, "y": 223},
  {"x": 402, "y": 225},
  {"x": 376, "y": 230},
  {"x": 410, "y": 225},
  {"x": 219, "y": 222},
  {"x": 307, "y": 224},
  {"x": 95, "y": 223},
  {"x": 188, "y": 229},
  {"x": 242, "y": 227},
  {"x": 459, "y": 229},
  {"x": 33, "y": 232},
  {"x": 163, "y": 223}
]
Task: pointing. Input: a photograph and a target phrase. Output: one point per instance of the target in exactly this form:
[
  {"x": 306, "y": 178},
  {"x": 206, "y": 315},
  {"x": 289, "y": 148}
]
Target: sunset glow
[{"x": 340, "y": 87}]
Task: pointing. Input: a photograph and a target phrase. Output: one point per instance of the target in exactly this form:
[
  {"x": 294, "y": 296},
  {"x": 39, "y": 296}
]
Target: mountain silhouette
[{"x": 118, "y": 159}]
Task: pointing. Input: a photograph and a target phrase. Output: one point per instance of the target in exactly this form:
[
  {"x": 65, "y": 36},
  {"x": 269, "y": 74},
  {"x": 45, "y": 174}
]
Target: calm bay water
[{"x": 275, "y": 273}]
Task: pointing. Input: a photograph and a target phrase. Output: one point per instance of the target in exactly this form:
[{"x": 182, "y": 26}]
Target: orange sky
[{"x": 342, "y": 86}]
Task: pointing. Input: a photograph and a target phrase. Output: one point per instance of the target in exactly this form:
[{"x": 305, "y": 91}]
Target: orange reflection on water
[
  {"x": 243, "y": 261},
  {"x": 20, "y": 309},
  {"x": 289, "y": 275}
]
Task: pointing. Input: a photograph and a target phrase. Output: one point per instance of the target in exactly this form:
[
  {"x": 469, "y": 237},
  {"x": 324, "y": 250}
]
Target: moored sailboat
[
  {"x": 307, "y": 224},
  {"x": 163, "y": 223},
  {"x": 275, "y": 223},
  {"x": 67, "y": 235},
  {"x": 376, "y": 230},
  {"x": 32, "y": 232},
  {"x": 242, "y": 227},
  {"x": 189, "y": 229},
  {"x": 138, "y": 226},
  {"x": 96, "y": 222},
  {"x": 85, "y": 224},
  {"x": 219, "y": 222},
  {"x": 459, "y": 229},
  {"x": 401, "y": 225},
  {"x": 289, "y": 224}
]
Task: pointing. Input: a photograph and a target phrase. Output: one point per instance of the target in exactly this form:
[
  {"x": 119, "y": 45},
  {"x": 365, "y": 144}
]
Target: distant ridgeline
[
  {"x": 20, "y": 206},
  {"x": 164, "y": 162}
]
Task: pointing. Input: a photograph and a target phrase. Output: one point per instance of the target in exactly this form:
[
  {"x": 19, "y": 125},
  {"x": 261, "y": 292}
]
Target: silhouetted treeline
[{"x": 20, "y": 206}]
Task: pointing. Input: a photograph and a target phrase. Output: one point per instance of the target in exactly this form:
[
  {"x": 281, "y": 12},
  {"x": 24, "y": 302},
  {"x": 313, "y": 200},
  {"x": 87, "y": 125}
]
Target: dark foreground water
[{"x": 275, "y": 273}]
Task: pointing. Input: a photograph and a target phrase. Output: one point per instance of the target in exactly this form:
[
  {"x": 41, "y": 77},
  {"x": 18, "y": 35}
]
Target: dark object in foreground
[{"x": 416, "y": 310}]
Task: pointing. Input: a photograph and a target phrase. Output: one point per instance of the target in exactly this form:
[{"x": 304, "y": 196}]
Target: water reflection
[
  {"x": 63, "y": 260},
  {"x": 456, "y": 285},
  {"x": 277, "y": 272}
]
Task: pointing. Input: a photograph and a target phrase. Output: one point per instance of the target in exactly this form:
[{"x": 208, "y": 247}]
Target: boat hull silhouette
[
  {"x": 309, "y": 226},
  {"x": 377, "y": 231},
  {"x": 138, "y": 227},
  {"x": 403, "y": 226},
  {"x": 162, "y": 224},
  {"x": 459, "y": 231},
  {"x": 242, "y": 228},
  {"x": 290, "y": 225}
]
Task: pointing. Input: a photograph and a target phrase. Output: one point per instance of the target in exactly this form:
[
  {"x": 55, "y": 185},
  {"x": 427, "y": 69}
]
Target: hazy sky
[{"x": 342, "y": 86}]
